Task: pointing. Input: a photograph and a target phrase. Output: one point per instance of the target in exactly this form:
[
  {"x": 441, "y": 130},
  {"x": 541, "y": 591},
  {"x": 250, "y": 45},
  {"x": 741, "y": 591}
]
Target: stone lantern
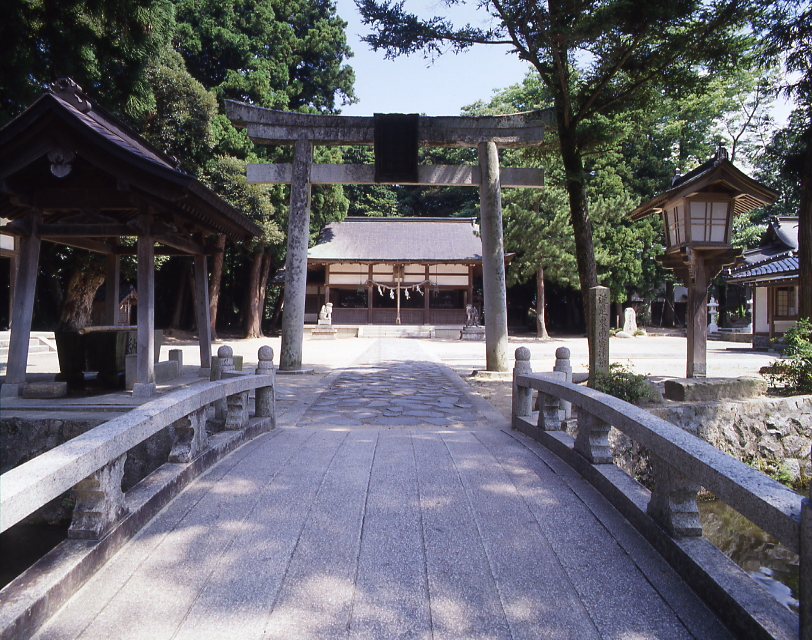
[{"x": 697, "y": 212}]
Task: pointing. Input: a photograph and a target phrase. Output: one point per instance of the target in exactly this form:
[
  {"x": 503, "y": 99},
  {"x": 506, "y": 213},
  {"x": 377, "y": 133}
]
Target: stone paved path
[
  {"x": 424, "y": 532},
  {"x": 405, "y": 390}
]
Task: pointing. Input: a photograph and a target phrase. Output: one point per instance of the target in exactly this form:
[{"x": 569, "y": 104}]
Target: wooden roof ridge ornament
[
  {"x": 396, "y": 138},
  {"x": 73, "y": 173},
  {"x": 697, "y": 212}
]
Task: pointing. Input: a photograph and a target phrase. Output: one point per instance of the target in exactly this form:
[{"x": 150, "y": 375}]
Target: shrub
[
  {"x": 794, "y": 371},
  {"x": 623, "y": 383}
]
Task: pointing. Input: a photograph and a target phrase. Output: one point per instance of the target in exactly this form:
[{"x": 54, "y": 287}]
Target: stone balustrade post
[
  {"x": 265, "y": 402},
  {"x": 237, "y": 416},
  {"x": 805, "y": 570},
  {"x": 563, "y": 365},
  {"x": 522, "y": 400},
  {"x": 189, "y": 438},
  {"x": 549, "y": 411},
  {"x": 673, "y": 500},
  {"x": 592, "y": 441},
  {"x": 99, "y": 502},
  {"x": 223, "y": 363}
]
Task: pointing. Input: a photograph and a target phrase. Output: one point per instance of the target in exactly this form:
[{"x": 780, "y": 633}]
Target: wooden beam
[
  {"x": 84, "y": 230},
  {"x": 85, "y": 243},
  {"x": 78, "y": 199},
  {"x": 177, "y": 242},
  {"x": 438, "y": 175}
]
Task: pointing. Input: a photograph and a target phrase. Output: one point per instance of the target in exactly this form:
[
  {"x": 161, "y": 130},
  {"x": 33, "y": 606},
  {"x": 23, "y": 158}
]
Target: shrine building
[{"x": 415, "y": 271}]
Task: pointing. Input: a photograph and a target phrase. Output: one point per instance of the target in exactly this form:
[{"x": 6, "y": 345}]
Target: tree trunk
[
  {"x": 254, "y": 299},
  {"x": 667, "y": 318},
  {"x": 214, "y": 283},
  {"x": 541, "y": 320},
  {"x": 263, "y": 285},
  {"x": 579, "y": 211},
  {"x": 277, "y": 312},
  {"x": 805, "y": 234},
  {"x": 77, "y": 306},
  {"x": 180, "y": 298}
]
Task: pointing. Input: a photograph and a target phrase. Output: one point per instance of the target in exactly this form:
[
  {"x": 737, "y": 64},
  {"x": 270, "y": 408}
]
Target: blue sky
[{"x": 415, "y": 85}]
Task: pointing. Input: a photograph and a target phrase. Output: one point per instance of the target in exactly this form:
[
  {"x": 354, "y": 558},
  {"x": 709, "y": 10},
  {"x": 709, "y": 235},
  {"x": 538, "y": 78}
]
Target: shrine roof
[
  {"x": 114, "y": 163},
  {"x": 434, "y": 240}
]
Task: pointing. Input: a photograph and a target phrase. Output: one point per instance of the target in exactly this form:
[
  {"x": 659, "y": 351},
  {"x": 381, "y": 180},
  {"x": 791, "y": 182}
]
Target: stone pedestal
[
  {"x": 324, "y": 332},
  {"x": 472, "y": 333}
]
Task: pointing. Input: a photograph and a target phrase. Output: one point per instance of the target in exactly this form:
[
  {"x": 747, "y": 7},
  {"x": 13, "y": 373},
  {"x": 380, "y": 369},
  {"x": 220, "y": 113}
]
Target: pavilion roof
[
  {"x": 775, "y": 259},
  {"x": 424, "y": 240},
  {"x": 109, "y": 172}
]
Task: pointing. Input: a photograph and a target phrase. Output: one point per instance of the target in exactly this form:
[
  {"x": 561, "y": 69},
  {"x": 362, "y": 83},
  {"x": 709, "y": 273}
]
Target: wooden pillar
[
  {"x": 296, "y": 261},
  {"x": 203, "y": 319},
  {"x": 370, "y": 295},
  {"x": 22, "y": 312},
  {"x": 426, "y": 290},
  {"x": 14, "y": 262},
  {"x": 493, "y": 259},
  {"x": 145, "y": 359},
  {"x": 111, "y": 290},
  {"x": 771, "y": 312}
]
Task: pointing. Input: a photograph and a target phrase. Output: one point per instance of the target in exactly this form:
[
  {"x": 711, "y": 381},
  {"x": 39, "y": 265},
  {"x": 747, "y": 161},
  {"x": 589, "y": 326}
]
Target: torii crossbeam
[{"x": 303, "y": 131}]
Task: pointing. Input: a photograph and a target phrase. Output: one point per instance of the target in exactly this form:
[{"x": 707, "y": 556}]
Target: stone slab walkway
[
  {"x": 420, "y": 531},
  {"x": 399, "y": 384}
]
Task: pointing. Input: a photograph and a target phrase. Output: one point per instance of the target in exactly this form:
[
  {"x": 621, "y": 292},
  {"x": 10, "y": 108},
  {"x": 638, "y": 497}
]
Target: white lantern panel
[
  {"x": 708, "y": 221},
  {"x": 675, "y": 223}
]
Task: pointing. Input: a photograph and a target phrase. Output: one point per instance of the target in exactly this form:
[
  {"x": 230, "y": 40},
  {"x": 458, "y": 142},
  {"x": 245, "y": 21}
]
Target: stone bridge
[{"x": 394, "y": 502}]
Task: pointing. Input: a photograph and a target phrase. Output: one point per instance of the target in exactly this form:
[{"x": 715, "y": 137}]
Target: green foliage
[
  {"x": 281, "y": 55},
  {"x": 622, "y": 383},
  {"x": 779, "y": 472},
  {"x": 104, "y": 45},
  {"x": 794, "y": 373}
]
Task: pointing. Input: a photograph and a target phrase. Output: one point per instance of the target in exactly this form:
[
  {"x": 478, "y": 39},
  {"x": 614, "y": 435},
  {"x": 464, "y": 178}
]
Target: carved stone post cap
[
  {"x": 562, "y": 353},
  {"x": 522, "y": 353},
  {"x": 265, "y": 354},
  {"x": 225, "y": 352}
]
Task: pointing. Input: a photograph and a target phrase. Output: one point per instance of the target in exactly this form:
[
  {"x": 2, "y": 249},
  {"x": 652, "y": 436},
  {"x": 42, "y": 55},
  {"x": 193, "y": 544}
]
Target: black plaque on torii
[{"x": 396, "y": 144}]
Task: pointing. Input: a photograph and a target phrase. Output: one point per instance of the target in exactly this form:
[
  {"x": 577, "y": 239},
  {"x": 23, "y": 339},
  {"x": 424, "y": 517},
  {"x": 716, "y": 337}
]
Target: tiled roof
[
  {"x": 783, "y": 265},
  {"x": 399, "y": 240}
]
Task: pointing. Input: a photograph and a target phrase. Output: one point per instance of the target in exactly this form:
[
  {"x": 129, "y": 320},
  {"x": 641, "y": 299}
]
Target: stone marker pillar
[
  {"x": 493, "y": 259},
  {"x": 145, "y": 367},
  {"x": 111, "y": 290},
  {"x": 22, "y": 312},
  {"x": 598, "y": 332},
  {"x": 203, "y": 318},
  {"x": 296, "y": 259},
  {"x": 697, "y": 318}
]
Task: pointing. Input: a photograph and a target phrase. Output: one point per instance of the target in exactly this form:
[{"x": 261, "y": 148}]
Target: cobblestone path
[{"x": 389, "y": 388}]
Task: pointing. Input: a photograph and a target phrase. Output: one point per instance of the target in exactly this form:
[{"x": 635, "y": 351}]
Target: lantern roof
[{"x": 716, "y": 175}]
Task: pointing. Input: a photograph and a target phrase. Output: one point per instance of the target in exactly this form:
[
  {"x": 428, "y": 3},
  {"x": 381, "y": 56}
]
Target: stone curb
[{"x": 29, "y": 600}]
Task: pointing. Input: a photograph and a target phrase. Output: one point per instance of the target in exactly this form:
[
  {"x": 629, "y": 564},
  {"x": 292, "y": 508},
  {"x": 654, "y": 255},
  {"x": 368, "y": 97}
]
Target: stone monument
[
  {"x": 324, "y": 329},
  {"x": 598, "y": 332}
]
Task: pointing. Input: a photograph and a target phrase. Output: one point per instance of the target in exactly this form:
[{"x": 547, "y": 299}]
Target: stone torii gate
[{"x": 396, "y": 138}]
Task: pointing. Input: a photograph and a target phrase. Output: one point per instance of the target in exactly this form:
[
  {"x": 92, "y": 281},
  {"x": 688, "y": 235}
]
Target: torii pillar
[{"x": 486, "y": 133}]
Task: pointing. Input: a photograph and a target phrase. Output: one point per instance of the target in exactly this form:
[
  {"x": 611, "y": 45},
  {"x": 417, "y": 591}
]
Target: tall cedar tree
[{"x": 596, "y": 57}]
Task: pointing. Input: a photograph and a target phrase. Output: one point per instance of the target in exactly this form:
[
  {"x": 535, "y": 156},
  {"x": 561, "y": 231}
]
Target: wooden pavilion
[
  {"x": 419, "y": 271},
  {"x": 73, "y": 173}
]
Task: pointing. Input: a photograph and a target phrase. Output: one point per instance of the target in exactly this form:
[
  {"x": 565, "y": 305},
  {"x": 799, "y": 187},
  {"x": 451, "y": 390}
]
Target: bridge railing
[
  {"x": 93, "y": 462},
  {"x": 681, "y": 464}
]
